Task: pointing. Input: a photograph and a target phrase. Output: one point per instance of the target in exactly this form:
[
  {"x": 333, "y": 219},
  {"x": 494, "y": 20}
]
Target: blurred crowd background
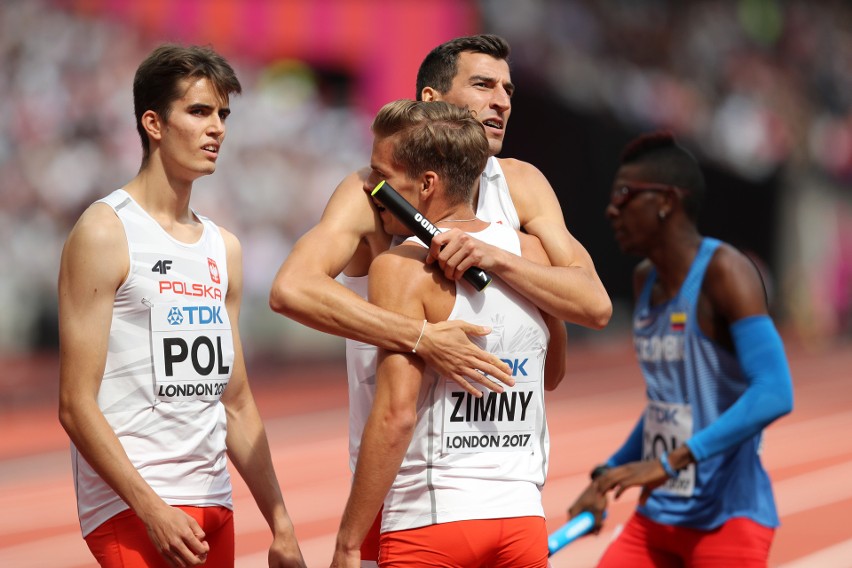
[{"x": 759, "y": 90}]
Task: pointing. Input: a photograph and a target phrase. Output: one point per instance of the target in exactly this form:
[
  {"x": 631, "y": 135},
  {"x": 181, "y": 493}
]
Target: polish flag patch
[{"x": 214, "y": 270}]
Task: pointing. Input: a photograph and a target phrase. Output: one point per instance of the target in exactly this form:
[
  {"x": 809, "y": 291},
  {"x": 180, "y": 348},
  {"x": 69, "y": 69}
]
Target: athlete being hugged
[
  {"x": 460, "y": 477},
  {"x": 715, "y": 372},
  {"x": 153, "y": 387}
]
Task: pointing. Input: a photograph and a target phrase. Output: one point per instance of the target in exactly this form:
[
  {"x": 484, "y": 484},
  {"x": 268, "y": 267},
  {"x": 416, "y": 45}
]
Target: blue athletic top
[{"x": 690, "y": 382}]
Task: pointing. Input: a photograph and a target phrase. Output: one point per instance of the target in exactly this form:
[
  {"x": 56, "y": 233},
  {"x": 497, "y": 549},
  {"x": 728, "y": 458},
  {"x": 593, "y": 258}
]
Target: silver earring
[{"x": 661, "y": 215}]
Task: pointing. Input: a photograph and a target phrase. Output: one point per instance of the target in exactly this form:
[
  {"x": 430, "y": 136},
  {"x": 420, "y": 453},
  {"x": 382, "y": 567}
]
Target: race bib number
[
  {"x": 495, "y": 422},
  {"x": 667, "y": 426},
  {"x": 193, "y": 351}
]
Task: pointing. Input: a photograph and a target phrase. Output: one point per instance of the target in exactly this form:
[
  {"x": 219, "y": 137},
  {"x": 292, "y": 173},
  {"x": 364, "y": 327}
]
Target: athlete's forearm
[
  {"x": 248, "y": 450},
  {"x": 322, "y": 303},
  {"x": 96, "y": 441},
  {"x": 768, "y": 396},
  {"x": 386, "y": 438},
  {"x": 572, "y": 294}
]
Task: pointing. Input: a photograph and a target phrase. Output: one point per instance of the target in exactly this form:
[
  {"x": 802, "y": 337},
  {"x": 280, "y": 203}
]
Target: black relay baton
[{"x": 421, "y": 227}]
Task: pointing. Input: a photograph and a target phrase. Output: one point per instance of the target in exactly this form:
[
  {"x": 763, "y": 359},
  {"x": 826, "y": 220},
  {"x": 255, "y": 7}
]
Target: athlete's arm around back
[
  {"x": 570, "y": 289},
  {"x": 350, "y": 234},
  {"x": 304, "y": 288},
  {"x": 557, "y": 347},
  {"x": 572, "y": 285}
]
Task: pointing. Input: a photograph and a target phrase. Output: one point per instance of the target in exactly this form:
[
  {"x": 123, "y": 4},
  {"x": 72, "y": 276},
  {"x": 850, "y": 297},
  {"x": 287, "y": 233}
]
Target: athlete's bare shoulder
[
  {"x": 352, "y": 185},
  {"x": 98, "y": 226},
  {"x": 400, "y": 276},
  {"x": 233, "y": 248},
  {"x": 97, "y": 244},
  {"x": 350, "y": 208},
  {"x": 532, "y": 249},
  {"x": 733, "y": 284},
  {"x": 347, "y": 237},
  {"x": 408, "y": 257},
  {"x": 399, "y": 271},
  {"x": 520, "y": 171}
]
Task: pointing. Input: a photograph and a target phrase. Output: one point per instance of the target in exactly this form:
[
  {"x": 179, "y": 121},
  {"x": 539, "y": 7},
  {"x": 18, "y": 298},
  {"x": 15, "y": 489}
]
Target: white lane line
[
  {"x": 838, "y": 555},
  {"x": 815, "y": 489}
]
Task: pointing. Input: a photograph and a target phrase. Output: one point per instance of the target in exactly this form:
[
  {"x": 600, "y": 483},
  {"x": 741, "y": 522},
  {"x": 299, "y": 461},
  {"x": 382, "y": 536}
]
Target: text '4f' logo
[
  {"x": 214, "y": 270},
  {"x": 162, "y": 266}
]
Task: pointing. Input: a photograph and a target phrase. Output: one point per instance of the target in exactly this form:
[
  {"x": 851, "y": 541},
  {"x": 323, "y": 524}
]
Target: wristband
[
  {"x": 667, "y": 467},
  {"x": 598, "y": 471},
  {"x": 416, "y": 343}
]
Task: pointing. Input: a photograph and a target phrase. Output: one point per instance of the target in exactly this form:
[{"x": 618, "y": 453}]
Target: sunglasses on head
[{"x": 621, "y": 196}]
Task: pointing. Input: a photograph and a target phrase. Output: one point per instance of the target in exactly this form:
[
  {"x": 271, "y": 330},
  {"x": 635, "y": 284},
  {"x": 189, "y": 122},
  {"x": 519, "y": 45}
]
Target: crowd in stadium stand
[
  {"x": 67, "y": 137},
  {"x": 760, "y": 87},
  {"x": 755, "y": 84}
]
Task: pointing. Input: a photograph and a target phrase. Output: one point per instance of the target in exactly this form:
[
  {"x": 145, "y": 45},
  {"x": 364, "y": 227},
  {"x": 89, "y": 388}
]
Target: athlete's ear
[
  {"x": 429, "y": 94},
  {"x": 428, "y": 187},
  {"x": 152, "y": 124},
  {"x": 670, "y": 202}
]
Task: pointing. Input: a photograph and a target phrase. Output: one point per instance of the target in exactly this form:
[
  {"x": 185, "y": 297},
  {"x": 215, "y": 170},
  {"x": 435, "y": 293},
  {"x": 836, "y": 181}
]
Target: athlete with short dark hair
[
  {"x": 153, "y": 387},
  {"x": 715, "y": 372}
]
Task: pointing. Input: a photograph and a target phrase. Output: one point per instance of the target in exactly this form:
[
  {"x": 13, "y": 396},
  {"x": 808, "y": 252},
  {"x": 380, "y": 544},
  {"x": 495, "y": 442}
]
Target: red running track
[{"x": 808, "y": 455}]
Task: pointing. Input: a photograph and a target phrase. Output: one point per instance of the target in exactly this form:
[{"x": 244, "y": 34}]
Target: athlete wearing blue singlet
[
  {"x": 715, "y": 375},
  {"x": 690, "y": 382}
]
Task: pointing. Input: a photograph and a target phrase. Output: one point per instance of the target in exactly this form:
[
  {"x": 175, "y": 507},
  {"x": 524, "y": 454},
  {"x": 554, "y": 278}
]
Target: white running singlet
[
  {"x": 480, "y": 458},
  {"x": 494, "y": 205},
  {"x": 361, "y": 372},
  {"x": 169, "y": 359}
]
